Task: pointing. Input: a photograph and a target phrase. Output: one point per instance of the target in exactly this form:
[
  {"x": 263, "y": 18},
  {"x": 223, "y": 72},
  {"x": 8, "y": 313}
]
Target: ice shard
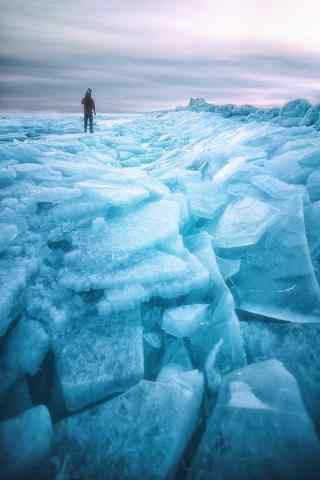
[{"x": 259, "y": 429}]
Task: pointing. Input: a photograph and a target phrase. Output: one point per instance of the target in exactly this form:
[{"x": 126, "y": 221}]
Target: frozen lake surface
[{"x": 159, "y": 295}]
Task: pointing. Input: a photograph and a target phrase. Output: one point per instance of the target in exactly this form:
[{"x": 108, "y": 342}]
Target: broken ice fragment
[
  {"x": 295, "y": 345},
  {"x": 184, "y": 321},
  {"x": 200, "y": 245},
  {"x": 217, "y": 344},
  {"x": 243, "y": 223},
  {"x": 97, "y": 358},
  {"x": 190, "y": 276},
  {"x": 114, "y": 241},
  {"x": 152, "y": 267},
  {"x": 115, "y": 195},
  {"x": 276, "y": 277},
  {"x": 140, "y": 434},
  {"x": 259, "y": 429}
]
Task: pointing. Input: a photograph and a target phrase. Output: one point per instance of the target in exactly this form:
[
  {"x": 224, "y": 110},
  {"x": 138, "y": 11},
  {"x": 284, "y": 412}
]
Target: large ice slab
[
  {"x": 152, "y": 267},
  {"x": 192, "y": 278},
  {"x": 113, "y": 241},
  {"x": 140, "y": 434},
  {"x": 259, "y": 429},
  {"x": 276, "y": 277},
  {"x": 97, "y": 357},
  {"x": 295, "y": 345}
]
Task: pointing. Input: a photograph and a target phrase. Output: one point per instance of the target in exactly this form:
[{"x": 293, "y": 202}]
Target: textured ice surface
[
  {"x": 192, "y": 218},
  {"x": 192, "y": 277},
  {"x": 152, "y": 267},
  {"x": 113, "y": 241},
  {"x": 260, "y": 419},
  {"x": 97, "y": 358},
  {"x": 140, "y": 434}
]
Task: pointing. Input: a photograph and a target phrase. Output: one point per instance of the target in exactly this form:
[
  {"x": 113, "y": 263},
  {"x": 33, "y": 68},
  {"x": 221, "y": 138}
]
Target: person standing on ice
[{"x": 89, "y": 109}]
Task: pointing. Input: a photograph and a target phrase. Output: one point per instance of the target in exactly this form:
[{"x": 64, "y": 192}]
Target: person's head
[{"x": 88, "y": 92}]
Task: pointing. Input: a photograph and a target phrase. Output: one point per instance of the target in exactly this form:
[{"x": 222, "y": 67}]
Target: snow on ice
[{"x": 159, "y": 294}]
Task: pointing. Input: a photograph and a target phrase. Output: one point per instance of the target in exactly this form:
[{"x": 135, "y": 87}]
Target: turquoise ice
[
  {"x": 159, "y": 294},
  {"x": 258, "y": 430}
]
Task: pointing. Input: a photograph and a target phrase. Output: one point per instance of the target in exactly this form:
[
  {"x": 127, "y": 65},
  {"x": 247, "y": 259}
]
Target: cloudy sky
[{"x": 142, "y": 55}]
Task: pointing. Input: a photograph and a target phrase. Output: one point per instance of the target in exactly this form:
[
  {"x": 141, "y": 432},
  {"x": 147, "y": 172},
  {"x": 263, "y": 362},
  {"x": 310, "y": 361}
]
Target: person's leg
[
  {"x": 91, "y": 123},
  {"x": 85, "y": 123}
]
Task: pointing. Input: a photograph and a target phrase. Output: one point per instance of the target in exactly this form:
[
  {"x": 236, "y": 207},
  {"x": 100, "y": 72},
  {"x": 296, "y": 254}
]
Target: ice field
[{"x": 159, "y": 295}]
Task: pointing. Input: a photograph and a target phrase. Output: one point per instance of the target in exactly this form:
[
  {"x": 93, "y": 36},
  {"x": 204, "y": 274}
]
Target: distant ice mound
[
  {"x": 159, "y": 295},
  {"x": 292, "y": 114}
]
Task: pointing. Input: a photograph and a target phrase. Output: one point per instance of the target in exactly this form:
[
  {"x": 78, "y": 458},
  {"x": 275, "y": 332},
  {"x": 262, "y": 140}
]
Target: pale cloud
[{"x": 145, "y": 54}]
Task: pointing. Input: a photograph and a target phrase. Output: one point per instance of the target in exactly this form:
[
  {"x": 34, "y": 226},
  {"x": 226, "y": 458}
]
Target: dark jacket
[{"x": 88, "y": 105}]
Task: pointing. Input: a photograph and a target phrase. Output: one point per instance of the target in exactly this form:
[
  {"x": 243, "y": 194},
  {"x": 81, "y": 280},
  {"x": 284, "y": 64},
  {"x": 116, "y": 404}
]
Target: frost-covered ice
[
  {"x": 162, "y": 243},
  {"x": 97, "y": 358},
  {"x": 140, "y": 434}
]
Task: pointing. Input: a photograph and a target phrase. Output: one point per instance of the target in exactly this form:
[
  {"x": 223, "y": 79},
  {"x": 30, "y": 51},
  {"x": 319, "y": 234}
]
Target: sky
[{"x": 141, "y": 55}]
